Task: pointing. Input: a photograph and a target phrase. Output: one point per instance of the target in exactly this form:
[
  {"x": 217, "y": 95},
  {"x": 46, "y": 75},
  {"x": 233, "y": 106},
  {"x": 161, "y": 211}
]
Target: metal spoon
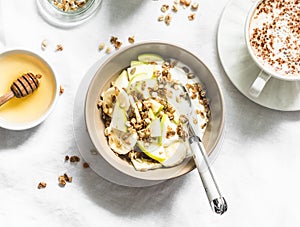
[{"x": 170, "y": 91}]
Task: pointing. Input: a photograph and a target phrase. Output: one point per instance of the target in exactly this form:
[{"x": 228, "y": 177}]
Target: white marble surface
[{"x": 258, "y": 167}]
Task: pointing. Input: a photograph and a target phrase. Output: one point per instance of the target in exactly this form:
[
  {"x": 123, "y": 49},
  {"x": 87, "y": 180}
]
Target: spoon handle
[
  {"x": 216, "y": 200},
  {"x": 6, "y": 97}
]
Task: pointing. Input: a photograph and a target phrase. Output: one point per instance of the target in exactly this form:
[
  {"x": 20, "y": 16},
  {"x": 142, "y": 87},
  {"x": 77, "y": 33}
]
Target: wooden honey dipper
[{"x": 21, "y": 87}]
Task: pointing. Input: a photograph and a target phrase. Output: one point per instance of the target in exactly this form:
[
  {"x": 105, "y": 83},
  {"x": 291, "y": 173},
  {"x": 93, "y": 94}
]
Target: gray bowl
[{"x": 108, "y": 72}]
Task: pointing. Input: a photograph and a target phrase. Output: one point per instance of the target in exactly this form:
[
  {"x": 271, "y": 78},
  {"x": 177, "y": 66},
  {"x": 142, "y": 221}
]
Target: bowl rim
[
  {"x": 31, "y": 124},
  {"x": 172, "y": 45}
]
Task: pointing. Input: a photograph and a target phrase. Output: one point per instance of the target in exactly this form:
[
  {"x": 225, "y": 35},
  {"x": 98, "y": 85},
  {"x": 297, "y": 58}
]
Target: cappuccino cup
[{"x": 272, "y": 36}]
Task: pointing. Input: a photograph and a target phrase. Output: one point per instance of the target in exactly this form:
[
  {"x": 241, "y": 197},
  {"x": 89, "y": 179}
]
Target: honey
[{"x": 30, "y": 108}]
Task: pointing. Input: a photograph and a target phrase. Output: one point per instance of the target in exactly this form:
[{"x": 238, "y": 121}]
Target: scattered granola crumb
[
  {"x": 86, "y": 165},
  {"x": 160, "y": 18},
  {"x": 108, "y": 50},
  {"x": 61, "y": 90},
  {"x": 74, "y": 158},
  {"x": 186, "y": 3},
  {"x": 175, "y": 8},
  {"x": 44, "y": 44},
  {"x": 192, "y": 16},
  {"x": 195, "y": 6},
  {"x": 59, "y": 47},
  {"x": 67, "y": 178},
  {"x": 115, "y": 41},
  {"x": 131, "y": 39},
  {"x": 67, "y": 158},
  {"x": 164, "y": 8},
  {"x": 101, "y": 46},
  {"x": 168, "y": 19},
  {"x": 42, "y": 185},
  {"x": 63, "y": 179}
]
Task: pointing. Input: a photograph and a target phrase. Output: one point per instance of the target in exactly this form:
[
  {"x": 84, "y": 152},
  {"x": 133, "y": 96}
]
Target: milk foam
[{"x": 275, "y": 36}]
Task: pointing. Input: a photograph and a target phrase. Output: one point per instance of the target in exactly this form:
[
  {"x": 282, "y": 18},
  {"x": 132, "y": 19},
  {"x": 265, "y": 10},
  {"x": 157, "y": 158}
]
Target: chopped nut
[
  {"x": 101, "y": 46},
  {"x": 160, "y": 18},
  {"x": 164, "y": 8},
  {"x": 61, "y": 181},
  {"x": 61, "y": 90},
  {"x": 195, "y": 6},
  {"x": 185, "y": 2},
  {"x": 132, "y": 71},
  {"x": 113, "y": 39},
  {"x": 67, "y": 178},
  {"x": 44, "y": 44},
  {"x": 175, "y": 8},
  {"x": 67, "y": 158},
  {"x": 192, "y": 16},
  {"x": 74, "y": 158},
  {"x": 108, "y": 50},
  {"x": 117, "y": 44},
  {"x": 59, "y": 47},
  {"x": 131, "y": 39},
  {"x": 42, "y": 185},
  {"x": 168, "y": 19},
  {"x": 86, "y": 165}
]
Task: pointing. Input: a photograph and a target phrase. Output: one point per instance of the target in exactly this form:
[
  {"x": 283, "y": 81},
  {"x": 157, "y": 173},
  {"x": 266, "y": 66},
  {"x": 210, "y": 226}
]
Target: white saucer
[
  {"x": 85, "y": 146},
  {"x": 241, "y": 69}
]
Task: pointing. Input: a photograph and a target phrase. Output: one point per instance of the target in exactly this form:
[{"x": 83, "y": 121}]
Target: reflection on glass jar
[{"x": 67, "y": 13}]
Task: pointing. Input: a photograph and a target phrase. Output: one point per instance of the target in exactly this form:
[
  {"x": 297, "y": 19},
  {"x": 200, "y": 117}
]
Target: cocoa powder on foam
[{"x": 275, "y": 35}]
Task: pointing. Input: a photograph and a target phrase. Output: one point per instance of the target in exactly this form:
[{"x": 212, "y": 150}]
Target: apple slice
[
  {"x": 150, "y": 57},
  {"x": 123, "y": 100},
  {"x": 119, "y": 118},
  {"x": 120, "y": 146},
  {"x": 165, "y": 121},
  {"x": 108, "y": 99},
  {"x": 140, "y": 77},
  {"x": 144, "y": 165},
  {"x": 135, "y": 108},
  {"x": 155, "y": 128},
  {"x": 153, "y": 150},
  {"x": 175, "y": 154},
  {"x": 151, "y": 115},
  {"x": 122, "y": 80},
  {"x": 135, "y": 63},
  {"x": 140, "y": 69},
  {"x": 156, "y": 106}
]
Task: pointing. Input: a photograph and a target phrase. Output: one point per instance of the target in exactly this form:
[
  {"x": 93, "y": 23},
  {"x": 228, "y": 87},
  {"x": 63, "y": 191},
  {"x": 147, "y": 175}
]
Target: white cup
[{"x": 269, "y": 70}]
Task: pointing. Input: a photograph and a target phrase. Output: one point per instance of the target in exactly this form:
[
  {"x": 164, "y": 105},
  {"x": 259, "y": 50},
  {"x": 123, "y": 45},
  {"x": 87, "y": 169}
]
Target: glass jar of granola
[{"x": 66, "y": 13}]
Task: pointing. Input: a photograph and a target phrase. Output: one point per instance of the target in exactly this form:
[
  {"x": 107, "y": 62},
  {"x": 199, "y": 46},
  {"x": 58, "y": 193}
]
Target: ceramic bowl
[
  {"x": 107, "y": 72},
  {"x": 30, "y": 111}
]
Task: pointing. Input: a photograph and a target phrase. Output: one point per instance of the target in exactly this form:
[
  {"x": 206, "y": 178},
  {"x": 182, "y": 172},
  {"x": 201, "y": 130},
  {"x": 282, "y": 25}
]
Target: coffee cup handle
[{"x": 259, "y": 84}]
